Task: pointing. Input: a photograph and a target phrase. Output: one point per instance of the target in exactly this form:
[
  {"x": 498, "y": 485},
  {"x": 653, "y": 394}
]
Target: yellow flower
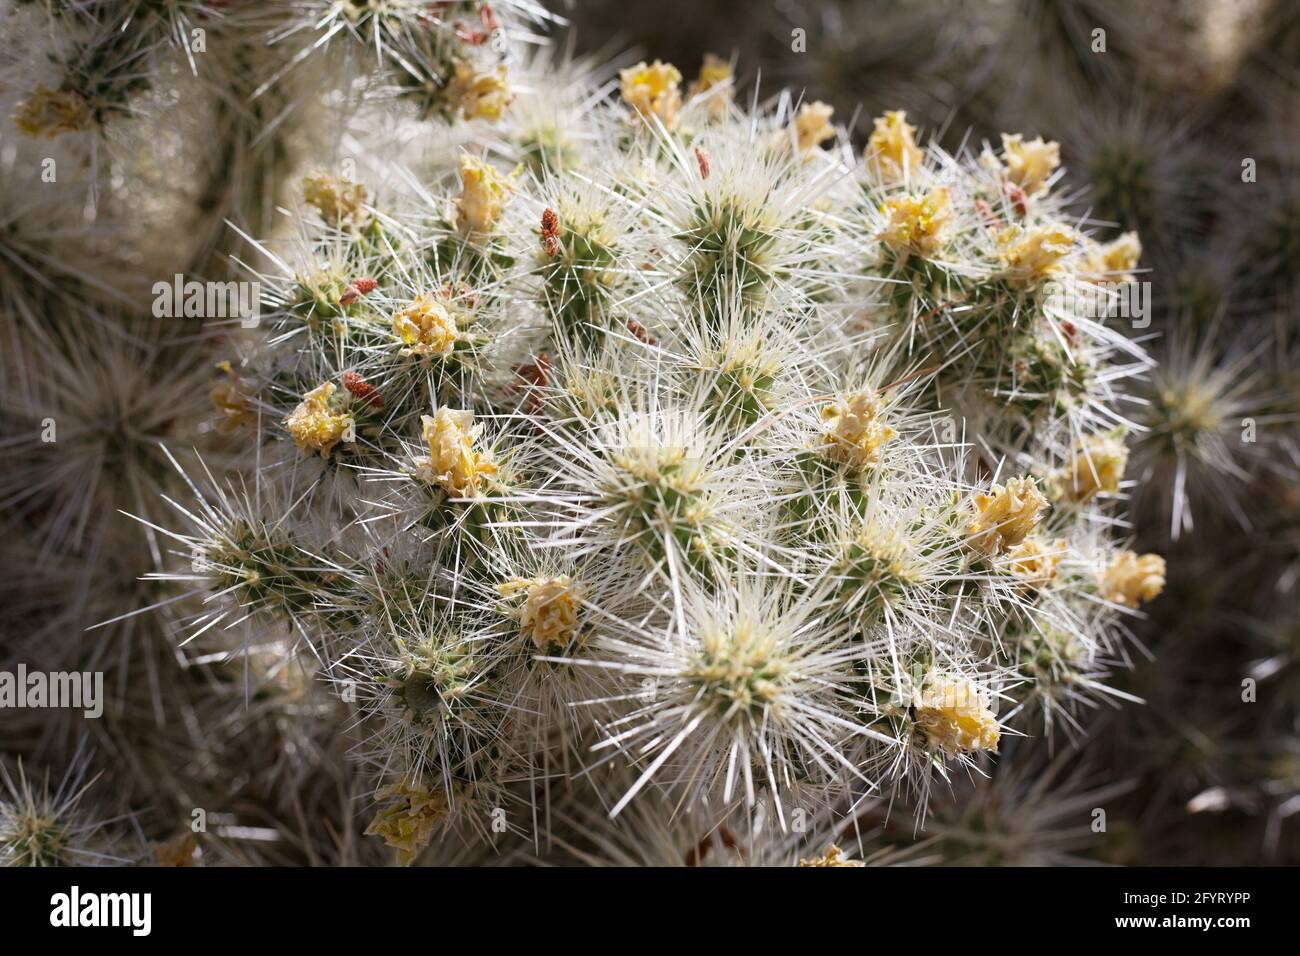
[
  {"x": 231, "y": 402},
  {"x": 1004, "y": 517},
  {"x": 427, "y": 326},
  {"x": 479, "y": 95},
  {"x": 1030, "y": 164},
  {"x": 1133, "y": 577},
  {"x": 955, "y": 716},
  {"x": 483, "y": 194},
  {"x": 409, "y": 823},
  {"x": 892, "y": 146},
  {"x": 1037, "y": 254},
  {"x": 653, "y": 91},
  {"x": 338, "y": 201},
  {"x": 1113, "y": 261},
  {"x": 1035, "y": 561},
  {"x": 856, "y": 433},
  {"x": 716, "y": 77},
  {"x": 47, "y": 113},
  {"x": 315, "y": 425},
  {"x": 550, "y": 612},
  {"x": 812, "y": 126},
  {"x": 833, "y": 856},
  {"x": 1099, "y": 462},
  {"x": 453, "y": 464},
  {"x": 917, "y": 223}
]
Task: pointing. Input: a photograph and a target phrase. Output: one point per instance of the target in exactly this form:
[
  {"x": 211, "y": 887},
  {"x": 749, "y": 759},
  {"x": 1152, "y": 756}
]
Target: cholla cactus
[
  {"x": 775, "y": 473},
  {"x": 44, "y": 827}
]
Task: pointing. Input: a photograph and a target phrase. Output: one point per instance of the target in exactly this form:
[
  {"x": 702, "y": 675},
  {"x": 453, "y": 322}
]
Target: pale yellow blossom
[
  {"x": 856, "y": 434},
  {"x": 1132, "y": 578},
  {"x": 1034, "y": 255},
  {"x": 892, "y": 147},
  {"x": 339, "y": 202},
  {"x": 1029, "y": 164},
  {"x": 1113, "y": 261},
  {"x": 479, "y": 95},
  {"x": 1035, "y": 561},
  {"x": 427, "y": 326},
  {"x": 315, "y": 424},
  {"x": 234, "y": 406},
  {"x": 549, "y": 616},
  {"x": 812, "y": 127},
  {"x": 833, "y": 856},
  {"x": 1005, "y": 516},
  {"x": 1098, "y": 465},
  {"x": 483, "y": 195},
  {"x": 715, "y": 80},
  {"x": 409, "y": 822},
  {"x": 955, "y": 717},
  {"x": 452, "y": 463},
  {"x": 653, "y": 90},
  {"x": 918, "y": 224}
]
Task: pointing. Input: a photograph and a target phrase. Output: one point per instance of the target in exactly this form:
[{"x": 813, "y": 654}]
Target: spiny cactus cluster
[{"x": 692, "y": 442}]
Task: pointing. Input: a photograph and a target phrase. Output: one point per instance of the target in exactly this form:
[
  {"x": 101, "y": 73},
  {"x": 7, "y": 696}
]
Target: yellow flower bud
[
  {"x": 483, "y": 195},
  {"x": 479, "y": 95},
  {"x": 408, "y": 824},
  {"x": 917, "y": 224},
  {"x": 652, "y": 90},
  {"x": 955, "y": 717},
  {"x": 1037, "y": 254},
  {"x": 1029, "y": 164},
  {"x": 1099, "y": 462},
  {"x": 856, "y": 433},
  {"x": 1005, "y": 516},
  {"x": 427, "y": 326},
  {"x": 892, "y": 148},
  {"x": 315, "y": 425},
  {"x": 549, "y": 615},
  {"x": 1132, "y": 578},
  {"x": 452, "y": 463},
  {"x": 339, "y": 202}
]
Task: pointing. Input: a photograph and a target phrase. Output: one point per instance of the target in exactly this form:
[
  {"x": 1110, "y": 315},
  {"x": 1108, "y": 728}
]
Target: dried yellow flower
[
  {"x": 812, "y": 126},
  {"x": 315, "y": 425},
  {"x": 1005, "y": 516},
  {"x": 479, "y": 95},
  {"x": 717, "y": 80},
  {"x": 955, "y": 717},
  {"x": 917, "y": 224},
  {"x": 47, "y": 113},
  {"x": 427, "y": 327},
  {"x": 408, "y": 824},
  {"x": 1099, "y": 462},
  {"x": 549, "y": 615},
  {"x": 483, "y": 195},
  {"x": 652, "y": 90},
  {"x": 1133, "y": 577},
  {"x": 833, "y": 856},
  {"x": 1035, "y": 561},
  {"x": 452, "y": 463},
  {"x": 1114, "y": 261},
  {"x": 1029, "y": 164},
  {"x": 856, "y": 434},
  {"x": 892, "y": 147},
  {"x": 339, "y": 202},
  {"x": 234, "y": 407},
  {"x": 1034, "y": 255}
]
